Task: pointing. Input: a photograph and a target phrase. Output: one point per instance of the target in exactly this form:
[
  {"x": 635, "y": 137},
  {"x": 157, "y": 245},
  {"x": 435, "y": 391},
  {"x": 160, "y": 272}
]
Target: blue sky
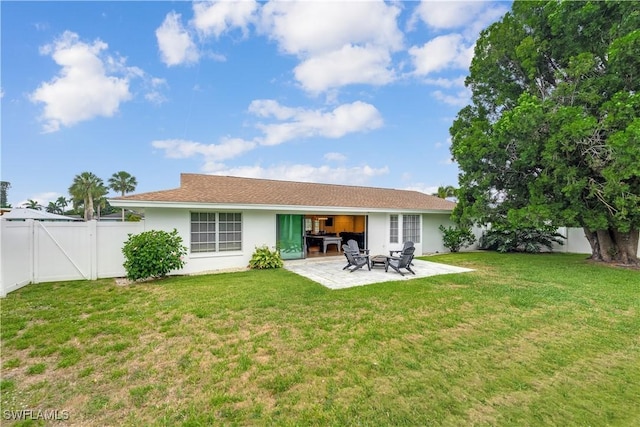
[{"x": 356, "y": 92}]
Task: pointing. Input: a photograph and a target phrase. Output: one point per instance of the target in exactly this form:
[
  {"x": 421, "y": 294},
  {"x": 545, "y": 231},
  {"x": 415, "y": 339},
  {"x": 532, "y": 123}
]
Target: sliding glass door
[{"x": 290, "y": 236}]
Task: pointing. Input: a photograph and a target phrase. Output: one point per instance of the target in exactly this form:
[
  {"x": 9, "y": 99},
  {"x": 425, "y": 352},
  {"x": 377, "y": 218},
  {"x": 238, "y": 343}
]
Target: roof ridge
[{"x": 298, "y": 182}]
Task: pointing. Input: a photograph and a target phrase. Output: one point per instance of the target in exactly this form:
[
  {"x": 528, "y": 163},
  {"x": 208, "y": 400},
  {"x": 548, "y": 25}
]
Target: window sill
[{"x": 195, "y": 255}]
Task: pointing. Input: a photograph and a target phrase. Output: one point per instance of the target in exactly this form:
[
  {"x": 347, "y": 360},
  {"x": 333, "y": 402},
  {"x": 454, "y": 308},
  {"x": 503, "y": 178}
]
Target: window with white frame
[
  {"x": 230, "y": 232},
  {"x": 393, "y": 229},
  {"x": 216, "y": 232},
  {"x": 411, "y": 228}
]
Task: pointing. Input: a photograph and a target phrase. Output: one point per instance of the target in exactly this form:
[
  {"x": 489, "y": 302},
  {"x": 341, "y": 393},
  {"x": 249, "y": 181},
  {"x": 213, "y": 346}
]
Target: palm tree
[
  {"x": 446, "y": 191},
  {"x": 62, "y": 203},
  {"x": 123, "y": 183},
  {"x": 84, "y": 188},
  {"x": 99, "y": 199},
  {"x": 32, "y": 204},
  {"x": 53, "y": 208}
]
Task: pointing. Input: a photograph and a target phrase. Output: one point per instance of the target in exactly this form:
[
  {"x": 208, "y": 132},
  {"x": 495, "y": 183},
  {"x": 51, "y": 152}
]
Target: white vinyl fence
[{"x": 46, "y": 251}]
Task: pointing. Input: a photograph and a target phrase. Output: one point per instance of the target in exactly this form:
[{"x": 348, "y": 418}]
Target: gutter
[{"x": 138, "y": 204}]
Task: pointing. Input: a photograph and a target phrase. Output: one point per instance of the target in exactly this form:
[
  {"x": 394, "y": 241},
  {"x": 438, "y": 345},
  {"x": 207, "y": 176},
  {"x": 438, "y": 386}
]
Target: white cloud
[
  {"x": 309, "y": 28},
  {"x": 154, "y": 95},
  {"x": 445, "y": 83},
  {"x": 82, "y": 90},
  {"x": 336, "y": 46},
  {"x": 298, "y": 123},
  {"x": 459, "y": 99},
  {"x": 357, "y": 175},
  {"x": 348, "y": 65},
  {"x": 490, "y": 14},
  {"x": 440, "y": 53},
  {"x": 228, "y": 148},
  {"x": 454, "y": 50},
  {"x": 175, "y": 43},
  {"x": 219, "y": 17},
  {"x": 449, "y": 14},
  {"x": 301, "y": 123},
  {"x": 468, "y": 16},
  {"x": 270, "y": 107},
  {"x": 335, "y": 157}
]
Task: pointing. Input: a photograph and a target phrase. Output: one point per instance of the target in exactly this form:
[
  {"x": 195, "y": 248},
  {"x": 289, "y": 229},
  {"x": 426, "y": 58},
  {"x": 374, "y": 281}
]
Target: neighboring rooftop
[
  {"x": 18, "y": 214},
  {"x": 216, "y": 189}
]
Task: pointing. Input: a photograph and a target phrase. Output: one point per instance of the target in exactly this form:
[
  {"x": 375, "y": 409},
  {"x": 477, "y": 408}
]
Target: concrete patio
[{"x": 328, "y": 272}]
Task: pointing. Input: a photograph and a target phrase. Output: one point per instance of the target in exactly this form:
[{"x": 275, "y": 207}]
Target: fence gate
[{"x": 45, "y": 251}]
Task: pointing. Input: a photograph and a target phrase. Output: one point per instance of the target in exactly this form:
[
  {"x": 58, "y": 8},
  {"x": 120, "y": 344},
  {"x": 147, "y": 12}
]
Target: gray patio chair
[
  {"x": 403, "y": 261},
  {"x": 405, "y": 245},
  {"x": 353, "y": 247},
  {"x": 397, "y": 253},
  {"x": 355, "y": 260}
]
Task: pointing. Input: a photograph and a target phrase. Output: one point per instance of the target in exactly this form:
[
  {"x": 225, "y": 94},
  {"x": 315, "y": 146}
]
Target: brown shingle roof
[{"x": 196, "y": 188}]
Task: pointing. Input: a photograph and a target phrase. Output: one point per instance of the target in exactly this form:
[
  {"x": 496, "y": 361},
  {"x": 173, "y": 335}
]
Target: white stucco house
[{"x": 222, "y": 219}]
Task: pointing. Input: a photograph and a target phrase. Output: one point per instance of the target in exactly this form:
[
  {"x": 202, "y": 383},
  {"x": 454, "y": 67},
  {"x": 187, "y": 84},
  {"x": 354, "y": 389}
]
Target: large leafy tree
[
  {"x": 86, "y": 187},
  {"x": 553, "y": 133},
  {"x": 123, "y": 183}
]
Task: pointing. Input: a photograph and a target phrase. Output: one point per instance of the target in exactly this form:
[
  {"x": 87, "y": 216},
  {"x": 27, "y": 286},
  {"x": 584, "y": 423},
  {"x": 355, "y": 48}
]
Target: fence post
[
  {"x": 33, "y": 252},
  {"x": 92, "y": 228},
  {"x": 2, "y": 268}
]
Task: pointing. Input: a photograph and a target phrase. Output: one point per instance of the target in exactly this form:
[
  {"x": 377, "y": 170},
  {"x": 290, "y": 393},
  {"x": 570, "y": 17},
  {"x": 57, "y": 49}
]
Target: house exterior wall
[
  {"x": 258, "y": 229},
  {"x": 378, "y": 234},
  {"x": 431, "y": 235},
  {"x": 430, "y": 238}
]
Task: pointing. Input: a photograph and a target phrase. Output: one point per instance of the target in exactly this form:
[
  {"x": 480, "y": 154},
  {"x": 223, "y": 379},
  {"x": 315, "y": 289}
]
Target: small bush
[
  {"x": 153, "y": 254},
  {"x": 264, "y": 258},
  {"x": 454, "y": 238},
  {"x": 506, "y": 238}
]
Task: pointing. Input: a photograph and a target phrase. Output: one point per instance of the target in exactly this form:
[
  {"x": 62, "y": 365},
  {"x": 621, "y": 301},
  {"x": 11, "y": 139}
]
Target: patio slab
[{"x": 328, "y": 272}]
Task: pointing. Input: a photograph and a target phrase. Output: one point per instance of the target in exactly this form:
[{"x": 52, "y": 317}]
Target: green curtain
[{"x": 290, "y": 236}]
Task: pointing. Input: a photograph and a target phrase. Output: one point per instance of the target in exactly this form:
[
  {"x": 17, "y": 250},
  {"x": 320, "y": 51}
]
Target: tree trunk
[
  {"x": 88, "y": 213},
  {"x": 592, "y": 237},
  {"x": 627, "y": 247},
  {"x": 614, "y": 246}
]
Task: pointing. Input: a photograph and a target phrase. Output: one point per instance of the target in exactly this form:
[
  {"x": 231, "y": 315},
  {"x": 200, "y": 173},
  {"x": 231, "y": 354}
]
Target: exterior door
[{"x": 290, "y": 236}]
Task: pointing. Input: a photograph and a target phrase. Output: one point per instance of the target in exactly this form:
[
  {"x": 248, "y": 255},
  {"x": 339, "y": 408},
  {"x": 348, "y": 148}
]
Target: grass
[{"x": 523, "y": 340}]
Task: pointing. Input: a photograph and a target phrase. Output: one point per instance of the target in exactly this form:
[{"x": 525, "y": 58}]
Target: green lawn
[{"x": 523, "y": 340}]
